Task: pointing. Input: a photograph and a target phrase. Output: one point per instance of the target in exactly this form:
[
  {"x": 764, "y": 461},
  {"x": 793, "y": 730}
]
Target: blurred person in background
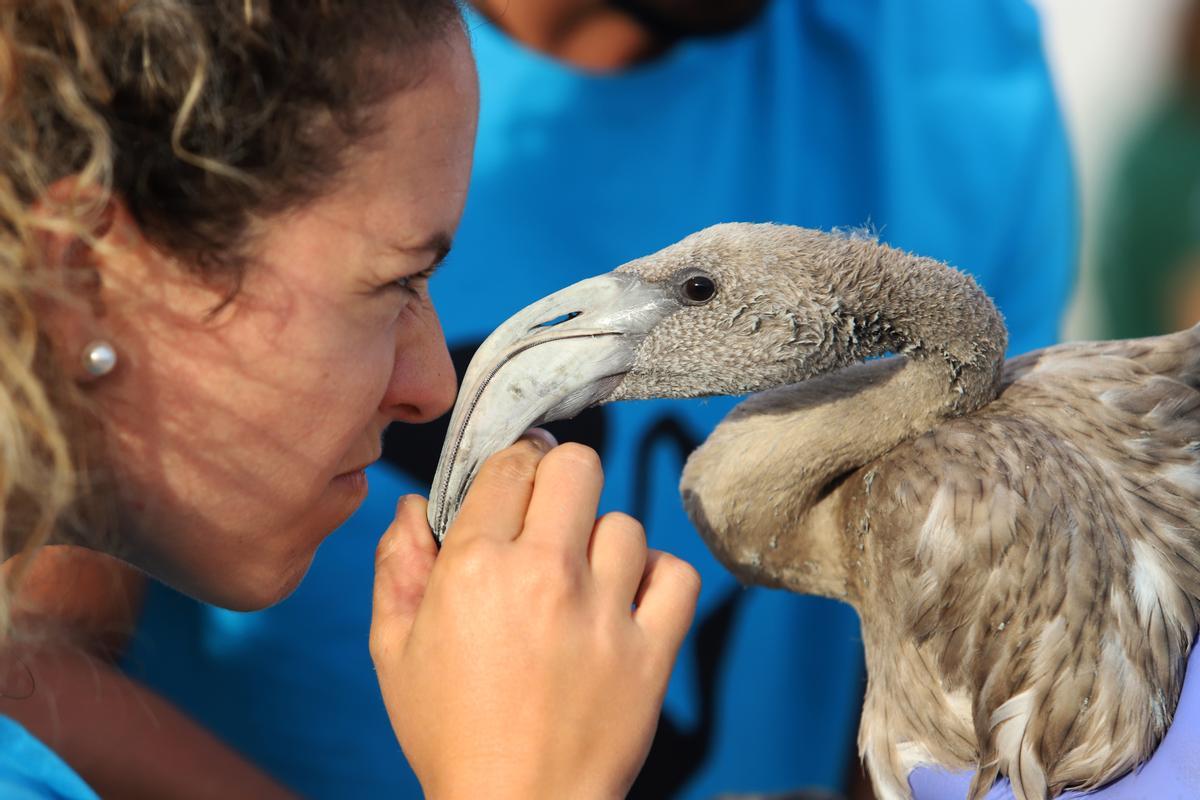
[
  {"x": 1149, "y": 245},
  {"x": 607, "y": 130}
]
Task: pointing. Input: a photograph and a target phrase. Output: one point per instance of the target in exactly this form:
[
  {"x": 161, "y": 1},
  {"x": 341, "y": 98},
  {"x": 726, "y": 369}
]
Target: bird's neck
[
  {"x": 766, "y": 489},
  {"x": 889, "y": 301}
]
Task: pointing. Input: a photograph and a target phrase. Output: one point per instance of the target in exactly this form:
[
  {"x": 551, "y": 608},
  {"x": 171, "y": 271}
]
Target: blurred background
[{"x": 1128, "y": 75}]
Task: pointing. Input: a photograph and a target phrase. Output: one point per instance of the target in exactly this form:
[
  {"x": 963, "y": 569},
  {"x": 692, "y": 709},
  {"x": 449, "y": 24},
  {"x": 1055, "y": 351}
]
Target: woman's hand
[{"x": 530, "y": 657}]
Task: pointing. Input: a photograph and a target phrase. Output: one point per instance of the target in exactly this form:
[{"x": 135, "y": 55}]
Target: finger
[
  {"x": 562, "y": 509},
  {"x": 666, "y": 600},
  {"x": 496, "y": 503},
  {"x": 617, "y": 554},
  {"x": 543, "y": 437},
  {"x": 404, "y": 558}
]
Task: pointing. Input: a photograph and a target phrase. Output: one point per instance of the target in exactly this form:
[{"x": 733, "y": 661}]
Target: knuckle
[
  {"x": 550, "y": 560},
  {"x": 619, "y": 531},
  {"x": 610, "y": 645},
  {"x": 680, "y": 573},
  {"x": 620, "y": 521},
  {"x": 383, "y": 547},
  {"x": 473, "y": 559},
  {"x": 390, "y": 543},
  {"x": 551, "y": 567}
]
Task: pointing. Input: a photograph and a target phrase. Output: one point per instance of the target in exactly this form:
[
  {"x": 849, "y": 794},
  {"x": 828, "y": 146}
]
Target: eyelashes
[{"x": 415, "y": 284}]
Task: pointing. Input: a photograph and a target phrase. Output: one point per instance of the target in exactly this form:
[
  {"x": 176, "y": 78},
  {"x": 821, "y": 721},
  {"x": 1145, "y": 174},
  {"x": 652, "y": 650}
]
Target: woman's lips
[
  {"x": 355, "y": 480},
  {"x": 361, "y": 465}
]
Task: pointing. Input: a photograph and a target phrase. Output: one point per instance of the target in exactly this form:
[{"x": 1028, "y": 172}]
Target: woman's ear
[{"x": 78, "y": 234}]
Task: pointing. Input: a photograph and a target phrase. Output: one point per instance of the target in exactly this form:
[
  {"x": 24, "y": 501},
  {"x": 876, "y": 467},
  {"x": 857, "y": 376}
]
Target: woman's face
[{"x": 240, "y": 440}]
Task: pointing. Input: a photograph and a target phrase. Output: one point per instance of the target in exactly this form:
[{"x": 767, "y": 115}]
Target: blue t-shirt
[
  {"x": 31, "y": 771},
  {"x": 932, "y": 123}
]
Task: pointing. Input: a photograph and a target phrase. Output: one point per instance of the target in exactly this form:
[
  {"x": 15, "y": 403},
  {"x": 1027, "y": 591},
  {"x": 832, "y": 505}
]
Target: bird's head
[
  {"x": 732, "y": 309},
  {"x": 749, "y": 306}
]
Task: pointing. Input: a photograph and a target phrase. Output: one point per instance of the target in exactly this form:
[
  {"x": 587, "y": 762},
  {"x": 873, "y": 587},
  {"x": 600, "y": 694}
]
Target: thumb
[{"x": 403, "y": 560}]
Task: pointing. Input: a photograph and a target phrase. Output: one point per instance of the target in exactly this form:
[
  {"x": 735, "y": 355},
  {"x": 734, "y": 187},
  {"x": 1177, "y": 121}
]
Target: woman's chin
[
  {"x": 266, "y": 584},
  {"x": 260, "y": 591},
  {"x": 262, "y": 561},
  {"x": 263, "y": 595}
]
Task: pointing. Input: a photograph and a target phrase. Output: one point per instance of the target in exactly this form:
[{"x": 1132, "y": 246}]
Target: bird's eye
[{"x": 699, "y": 288}]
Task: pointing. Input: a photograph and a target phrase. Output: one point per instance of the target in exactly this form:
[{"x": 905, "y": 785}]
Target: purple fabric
[{"x": 1172, "y": 773}]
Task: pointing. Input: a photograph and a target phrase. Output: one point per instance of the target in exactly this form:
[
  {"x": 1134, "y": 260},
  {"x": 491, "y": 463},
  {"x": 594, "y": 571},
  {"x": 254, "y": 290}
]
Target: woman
[{"x": 219, "y": 221}]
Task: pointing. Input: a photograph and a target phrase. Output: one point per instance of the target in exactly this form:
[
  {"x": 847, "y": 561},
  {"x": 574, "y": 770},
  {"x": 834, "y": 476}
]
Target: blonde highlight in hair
[
  {"x": 199, "y": 117},
  {"x": 43, "y": 90}
]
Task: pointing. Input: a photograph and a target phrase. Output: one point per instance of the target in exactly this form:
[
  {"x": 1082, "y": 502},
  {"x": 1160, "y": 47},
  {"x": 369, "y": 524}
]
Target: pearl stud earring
[{"x": 99, "y": 358}]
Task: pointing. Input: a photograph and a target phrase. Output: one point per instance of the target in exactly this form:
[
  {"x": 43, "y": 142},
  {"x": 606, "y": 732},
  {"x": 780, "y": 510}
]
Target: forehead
[{"x": 408, "y": 179}]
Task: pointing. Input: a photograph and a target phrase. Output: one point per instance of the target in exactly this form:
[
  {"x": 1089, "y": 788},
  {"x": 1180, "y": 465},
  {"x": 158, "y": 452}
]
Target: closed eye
[{"x": 416, "y": 283}]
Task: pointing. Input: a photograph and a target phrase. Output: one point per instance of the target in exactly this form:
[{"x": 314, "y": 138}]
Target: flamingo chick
[{"x": 1021, "y": 540}]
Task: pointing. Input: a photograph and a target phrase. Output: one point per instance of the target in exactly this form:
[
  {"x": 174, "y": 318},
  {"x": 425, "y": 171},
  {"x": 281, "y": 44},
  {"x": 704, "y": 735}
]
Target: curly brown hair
[{"x": 200, "y": 116}]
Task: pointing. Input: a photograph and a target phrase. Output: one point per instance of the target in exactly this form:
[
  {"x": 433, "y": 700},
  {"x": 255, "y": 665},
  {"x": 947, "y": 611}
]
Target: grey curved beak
[{"x": 549, "y": 361}]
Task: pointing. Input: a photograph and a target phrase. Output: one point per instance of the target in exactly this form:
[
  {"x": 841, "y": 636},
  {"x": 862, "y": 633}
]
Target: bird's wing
[{"x": 1047, "y": 554}]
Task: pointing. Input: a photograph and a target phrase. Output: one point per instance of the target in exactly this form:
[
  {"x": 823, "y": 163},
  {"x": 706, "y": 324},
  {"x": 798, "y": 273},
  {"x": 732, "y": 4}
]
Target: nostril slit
[{"x": 559, "y": 320}]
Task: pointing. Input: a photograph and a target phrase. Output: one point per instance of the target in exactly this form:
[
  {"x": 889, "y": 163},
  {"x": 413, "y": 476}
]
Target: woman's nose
[{"x": 423, "y": 384}]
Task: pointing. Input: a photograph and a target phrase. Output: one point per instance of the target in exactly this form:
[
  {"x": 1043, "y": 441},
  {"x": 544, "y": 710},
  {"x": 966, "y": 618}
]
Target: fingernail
[{"x": 543, "y": 439}]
